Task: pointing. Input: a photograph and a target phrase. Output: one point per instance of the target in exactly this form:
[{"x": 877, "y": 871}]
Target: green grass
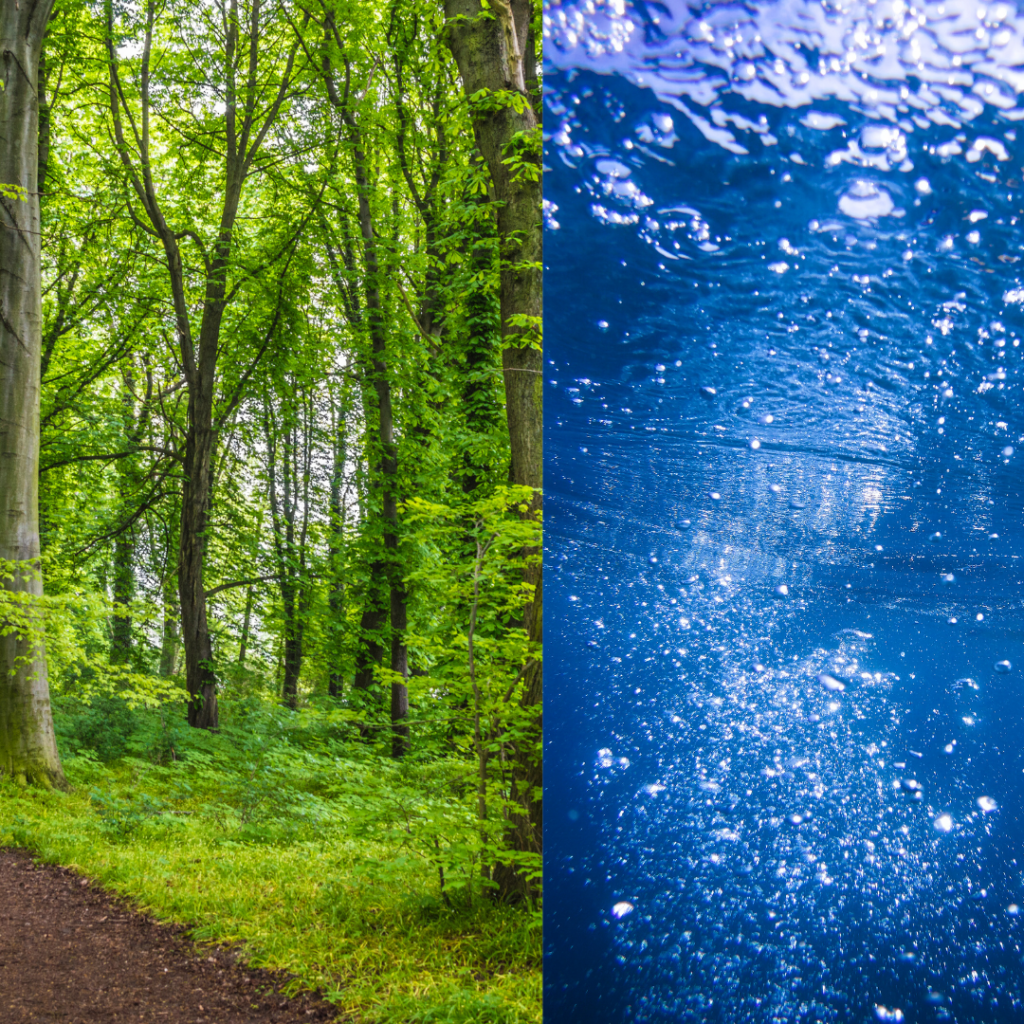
[{"x": 284, "y": 834}]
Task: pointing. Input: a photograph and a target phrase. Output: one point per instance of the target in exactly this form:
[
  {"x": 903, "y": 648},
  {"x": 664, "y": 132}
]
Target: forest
[{"x": 270, "y": 480}]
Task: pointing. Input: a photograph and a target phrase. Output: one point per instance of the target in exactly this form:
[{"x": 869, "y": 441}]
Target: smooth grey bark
[
  {"x": 28, "y": 751},
  {"x": 494, "y": 49}
]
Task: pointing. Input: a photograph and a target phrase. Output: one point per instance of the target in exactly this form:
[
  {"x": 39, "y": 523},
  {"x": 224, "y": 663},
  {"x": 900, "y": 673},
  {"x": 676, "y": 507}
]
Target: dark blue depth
[{"x": 784, "y": 549}]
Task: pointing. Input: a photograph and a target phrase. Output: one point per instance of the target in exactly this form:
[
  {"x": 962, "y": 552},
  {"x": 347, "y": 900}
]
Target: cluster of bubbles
[
  {"x": 789, "y": 804},
  {"x": 827, "y": 380}
]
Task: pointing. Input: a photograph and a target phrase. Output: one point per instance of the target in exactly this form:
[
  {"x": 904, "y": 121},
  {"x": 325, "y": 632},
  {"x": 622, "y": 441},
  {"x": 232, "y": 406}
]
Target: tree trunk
[
  {"x": 28, "y": 750},
  {"x": 371, "y": 624},
  {"x": 400, "y": 734},
  {"x": 292, "y": 646},
  {"x": 245, "y": 627},
  {"x": 335, "y": 548},
  {"x": 135, "y": 423},
  {"x": 289, "y": 495},
  {"x": 486, "y": 61},
  {"x": 200, "y": 678},
  {"x": 124, "y": 593},
  {"x": 494, "y": 50},
  {"x": 382, "y": 447},
  {"x": 246, "y": 124},
  {"x": 480, "y": 405},
  {"x": 169, "y": 635}
]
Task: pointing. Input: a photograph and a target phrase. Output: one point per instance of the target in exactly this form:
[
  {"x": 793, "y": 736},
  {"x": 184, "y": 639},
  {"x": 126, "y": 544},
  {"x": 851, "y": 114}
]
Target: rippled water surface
[{"x": 785, "y": 447}]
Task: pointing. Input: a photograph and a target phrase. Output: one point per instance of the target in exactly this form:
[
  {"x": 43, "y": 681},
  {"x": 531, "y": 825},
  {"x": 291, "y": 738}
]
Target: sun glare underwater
[{"x": 785, "y": 464}]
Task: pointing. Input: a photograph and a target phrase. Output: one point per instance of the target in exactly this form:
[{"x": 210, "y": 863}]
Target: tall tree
[
  {"x": 28, "y": 751},
  {"x": 494, "y": 43},
  {"x": 252, "y": 82},
  {"x": 288, "y": 425},
  {"x": 125, "y": 542},
  {"x": 337, "y": 522},
  {"x": 384, "y": 446}
]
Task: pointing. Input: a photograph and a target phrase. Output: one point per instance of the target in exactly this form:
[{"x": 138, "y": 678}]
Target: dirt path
[{"x": 71, "y": 954}]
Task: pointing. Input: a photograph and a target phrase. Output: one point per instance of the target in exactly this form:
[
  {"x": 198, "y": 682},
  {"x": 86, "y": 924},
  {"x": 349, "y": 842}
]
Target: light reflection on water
[{"x": 785, "y": 508}]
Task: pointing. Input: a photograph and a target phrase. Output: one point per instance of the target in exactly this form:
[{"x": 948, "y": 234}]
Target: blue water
[{"x": 785, "y": 513}]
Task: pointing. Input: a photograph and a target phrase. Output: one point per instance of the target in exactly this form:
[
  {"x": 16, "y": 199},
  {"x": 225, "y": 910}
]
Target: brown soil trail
[{"x": 72, "y": 954}]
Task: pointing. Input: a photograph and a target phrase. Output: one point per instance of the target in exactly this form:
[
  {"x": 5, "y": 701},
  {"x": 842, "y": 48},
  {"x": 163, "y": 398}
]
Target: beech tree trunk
[
  {"x": 28, "y": 751},
  {"x": 494, "y": 49}
]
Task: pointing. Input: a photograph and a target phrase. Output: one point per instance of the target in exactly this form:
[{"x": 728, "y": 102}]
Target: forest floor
[
  {"x": 280, "y": 835},
  {"x": 70, "y": 954}
]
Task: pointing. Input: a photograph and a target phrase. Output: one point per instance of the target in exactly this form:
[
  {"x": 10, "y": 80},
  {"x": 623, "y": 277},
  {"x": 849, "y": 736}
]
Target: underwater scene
[{"x": 784, "y": 727}]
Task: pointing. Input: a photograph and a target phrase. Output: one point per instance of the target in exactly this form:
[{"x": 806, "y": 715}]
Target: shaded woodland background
[{"x": 290, "y": 423}]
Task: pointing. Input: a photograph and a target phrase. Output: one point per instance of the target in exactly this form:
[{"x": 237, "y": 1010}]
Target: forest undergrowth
[{"x": 290, "y": 833}]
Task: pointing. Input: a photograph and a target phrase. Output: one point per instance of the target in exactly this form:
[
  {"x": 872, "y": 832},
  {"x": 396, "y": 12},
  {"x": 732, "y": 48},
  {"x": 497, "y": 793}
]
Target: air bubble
[
  {"x": 885, "y": 1014},
  {"x": 864, "y": 200},
  {"x": 612, "y": 168}
]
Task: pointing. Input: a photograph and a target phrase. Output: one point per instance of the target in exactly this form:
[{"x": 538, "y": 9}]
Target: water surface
[{"x": 784, "y": 487}]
